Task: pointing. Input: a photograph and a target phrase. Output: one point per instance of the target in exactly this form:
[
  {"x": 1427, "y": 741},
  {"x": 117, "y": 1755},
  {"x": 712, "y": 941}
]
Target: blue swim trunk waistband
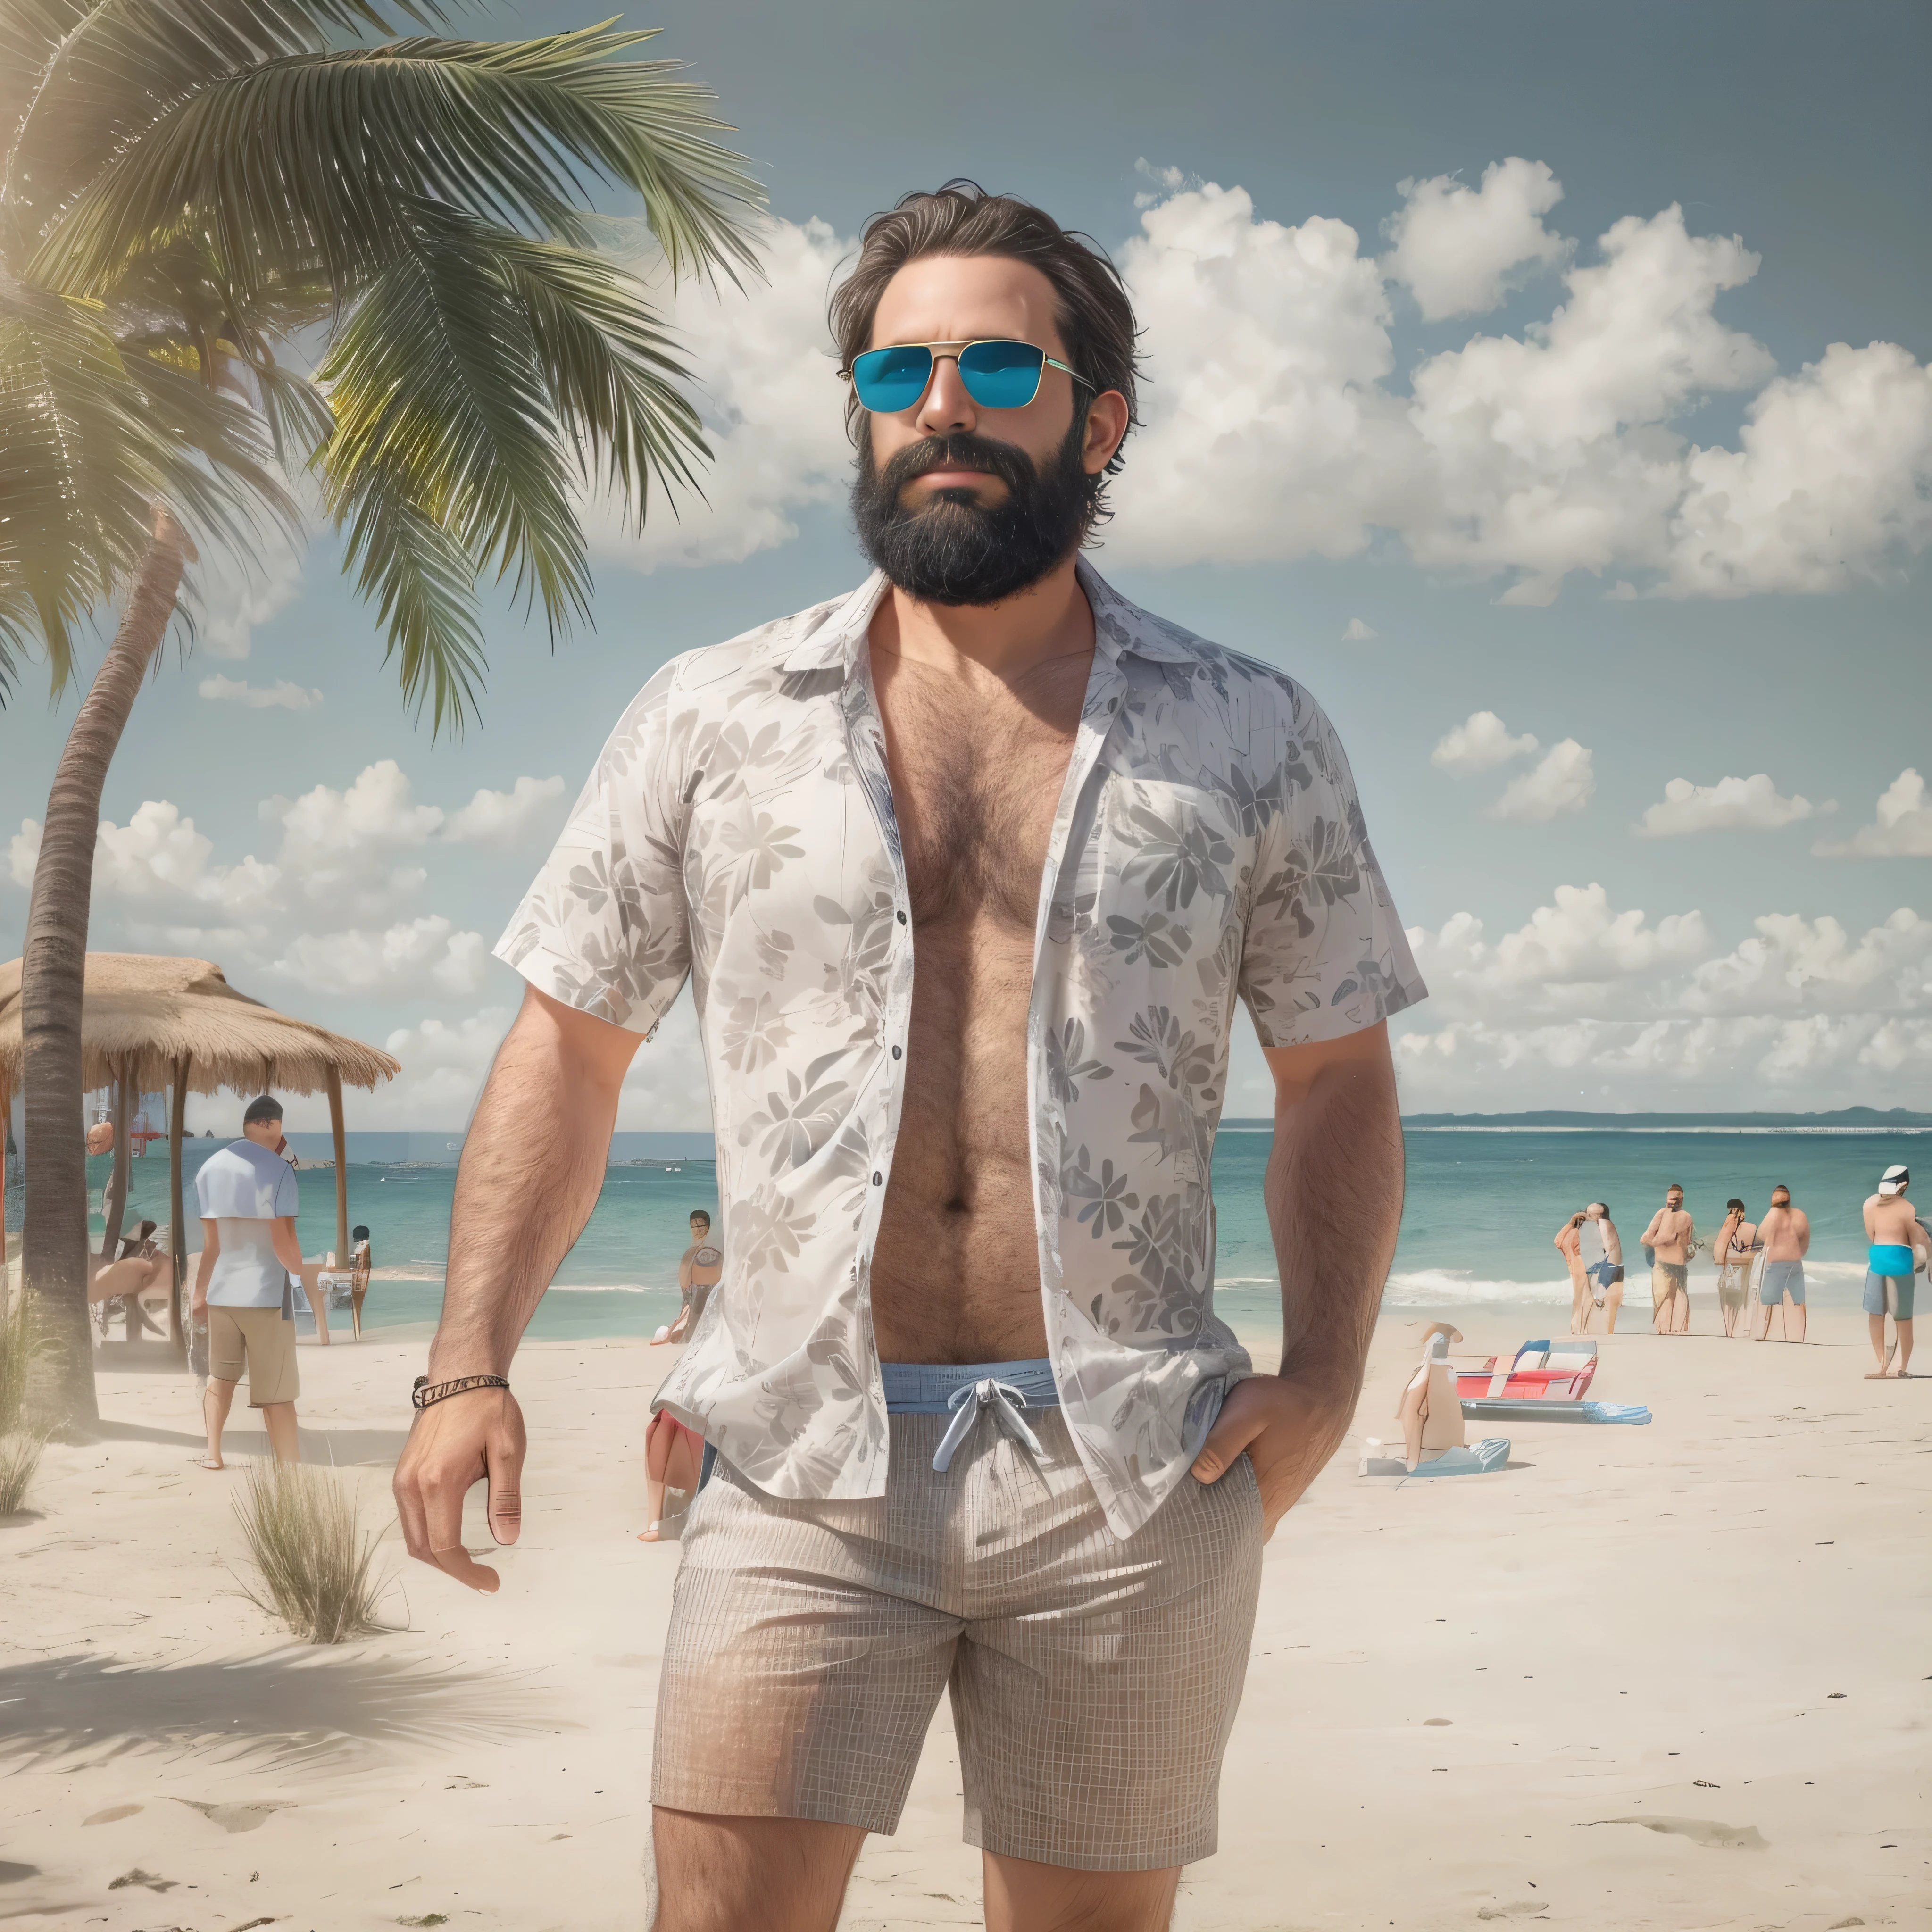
[
  {"x": 1890, "y": 1257},
  {"x": 924, "y": 1388}
]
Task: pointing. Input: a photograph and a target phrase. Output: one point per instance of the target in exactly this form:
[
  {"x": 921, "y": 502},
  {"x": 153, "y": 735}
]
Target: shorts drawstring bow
[{"x": 967, "y": 1405}]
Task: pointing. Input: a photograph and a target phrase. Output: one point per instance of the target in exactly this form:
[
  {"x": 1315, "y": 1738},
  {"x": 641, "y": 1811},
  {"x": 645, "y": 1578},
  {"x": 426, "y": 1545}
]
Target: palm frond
[
  {"x": 323, "y": 157},
  {"x": 492, "y": 376},
  {"x": 423, "y": 583},
  {"x": 79, "y": 78},
  {"x": 89, "y": 442}
]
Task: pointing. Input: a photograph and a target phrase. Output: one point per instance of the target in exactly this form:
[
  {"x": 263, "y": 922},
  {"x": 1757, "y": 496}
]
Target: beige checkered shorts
[{"x": 1094, "y": 1681}]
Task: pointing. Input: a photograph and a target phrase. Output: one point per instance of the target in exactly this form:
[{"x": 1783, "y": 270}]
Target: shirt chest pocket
[{"x": 1170, "y": 864}]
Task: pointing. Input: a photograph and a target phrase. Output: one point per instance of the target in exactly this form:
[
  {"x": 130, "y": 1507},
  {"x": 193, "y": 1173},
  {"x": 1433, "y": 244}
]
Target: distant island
[{"x": 1843, "y": 1121}]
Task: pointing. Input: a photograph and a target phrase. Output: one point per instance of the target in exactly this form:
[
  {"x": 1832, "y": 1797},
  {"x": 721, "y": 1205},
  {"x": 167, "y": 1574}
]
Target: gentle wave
[{"x": 1454, "y": 1288}]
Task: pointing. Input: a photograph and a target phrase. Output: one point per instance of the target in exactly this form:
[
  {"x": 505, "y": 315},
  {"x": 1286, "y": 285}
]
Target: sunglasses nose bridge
[{"x": 947, "y": 402}]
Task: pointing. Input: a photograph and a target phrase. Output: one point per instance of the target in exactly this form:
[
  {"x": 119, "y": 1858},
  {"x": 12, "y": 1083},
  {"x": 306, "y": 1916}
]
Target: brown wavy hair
[{"x": 1092, "y": 312}]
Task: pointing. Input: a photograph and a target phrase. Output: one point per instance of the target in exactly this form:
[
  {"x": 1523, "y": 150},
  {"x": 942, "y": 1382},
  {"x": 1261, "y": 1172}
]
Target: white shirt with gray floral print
[{"x": 738, "y": 830}]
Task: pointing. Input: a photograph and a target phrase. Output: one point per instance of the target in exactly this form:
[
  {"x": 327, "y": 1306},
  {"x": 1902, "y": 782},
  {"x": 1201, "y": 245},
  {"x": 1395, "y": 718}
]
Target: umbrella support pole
[{"x": 177, "y": 1219}]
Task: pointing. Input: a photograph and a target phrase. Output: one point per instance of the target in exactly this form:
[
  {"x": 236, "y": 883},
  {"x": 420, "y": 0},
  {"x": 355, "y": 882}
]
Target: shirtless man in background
[
  {"x": 1785, "y": 1232},
  {"x": 1671, "y": 1234},
  {"x": 1609, "y": 1273},
  {"x": 1896, "y": 1257}
]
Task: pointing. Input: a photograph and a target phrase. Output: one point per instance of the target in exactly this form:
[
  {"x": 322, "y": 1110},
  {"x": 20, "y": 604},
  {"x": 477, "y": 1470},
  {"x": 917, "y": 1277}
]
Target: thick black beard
[{"x": 956, "y": 551}]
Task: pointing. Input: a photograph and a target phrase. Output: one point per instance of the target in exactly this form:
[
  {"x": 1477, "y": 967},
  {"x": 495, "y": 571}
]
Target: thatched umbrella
[{"x": 150, "y": 1022}]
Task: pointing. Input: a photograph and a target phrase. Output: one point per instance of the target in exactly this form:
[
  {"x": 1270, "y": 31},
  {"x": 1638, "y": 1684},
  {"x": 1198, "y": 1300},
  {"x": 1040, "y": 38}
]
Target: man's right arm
[
  {"x": 211, "y": 1246},
  {"x": 532, "y": 1165},
  {"x": 1649, "y": 1237}
]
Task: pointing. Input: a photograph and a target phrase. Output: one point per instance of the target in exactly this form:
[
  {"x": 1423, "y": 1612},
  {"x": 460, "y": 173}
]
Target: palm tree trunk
[{"x": 53, "y": 964}]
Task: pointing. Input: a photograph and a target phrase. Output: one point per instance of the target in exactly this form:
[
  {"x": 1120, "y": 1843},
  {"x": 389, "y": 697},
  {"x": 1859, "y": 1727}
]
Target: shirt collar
[{"x": 1120, "y": 627}]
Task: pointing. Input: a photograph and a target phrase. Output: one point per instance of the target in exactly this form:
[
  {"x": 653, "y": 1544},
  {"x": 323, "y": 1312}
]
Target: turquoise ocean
[{"x": 1481, "y": 1208}]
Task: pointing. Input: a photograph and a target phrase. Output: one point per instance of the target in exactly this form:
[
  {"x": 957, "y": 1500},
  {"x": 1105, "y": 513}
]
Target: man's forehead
[{"x": 964, "y": 298}]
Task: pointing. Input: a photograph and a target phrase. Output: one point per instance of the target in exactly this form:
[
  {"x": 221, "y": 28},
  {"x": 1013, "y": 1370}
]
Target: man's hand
[
  {"x": 1287, "y": 1429},
  {"x": 197, "y": 1303},
  {"x": 462, "y": 1440}
]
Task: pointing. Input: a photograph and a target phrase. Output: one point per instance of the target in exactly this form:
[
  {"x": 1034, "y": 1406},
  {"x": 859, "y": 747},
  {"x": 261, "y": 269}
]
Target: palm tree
[{"x": 245, "y": 240}]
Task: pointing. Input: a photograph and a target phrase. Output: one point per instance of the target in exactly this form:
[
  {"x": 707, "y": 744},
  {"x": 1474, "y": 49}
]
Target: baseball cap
[{"x": 1893, "y": 1180}]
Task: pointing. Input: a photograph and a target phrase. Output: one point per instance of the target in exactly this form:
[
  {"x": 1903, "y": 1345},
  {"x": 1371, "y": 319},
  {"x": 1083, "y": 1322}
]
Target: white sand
[{"x": 1630, "y": 1627}]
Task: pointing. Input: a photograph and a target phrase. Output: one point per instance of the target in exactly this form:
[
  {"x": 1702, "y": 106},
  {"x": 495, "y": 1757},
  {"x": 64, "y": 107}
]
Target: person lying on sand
[
  {"x": 1896, "y": 1257},
  {"x": 1785, "y": 1232}
]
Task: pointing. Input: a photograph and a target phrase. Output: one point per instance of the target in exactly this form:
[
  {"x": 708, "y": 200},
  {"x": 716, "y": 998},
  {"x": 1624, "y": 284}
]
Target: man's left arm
[{"x": 1333, "y": 1189}]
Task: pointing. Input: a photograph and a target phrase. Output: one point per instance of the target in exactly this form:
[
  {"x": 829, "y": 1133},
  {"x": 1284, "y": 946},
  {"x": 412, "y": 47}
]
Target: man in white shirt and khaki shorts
[{"x": 248, "y": 1201}]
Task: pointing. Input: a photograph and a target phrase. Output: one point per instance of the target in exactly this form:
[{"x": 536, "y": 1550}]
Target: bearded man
[{"x": 968, "y": 870}]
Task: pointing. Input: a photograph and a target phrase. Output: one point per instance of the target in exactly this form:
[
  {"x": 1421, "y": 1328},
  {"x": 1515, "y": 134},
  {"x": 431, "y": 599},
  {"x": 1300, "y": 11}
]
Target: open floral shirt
[{"x": 738, "y": 830}]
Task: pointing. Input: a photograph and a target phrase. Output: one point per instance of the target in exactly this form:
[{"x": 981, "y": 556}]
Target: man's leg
[
  {"x": 1613, "y": 1302},
  {"x": 750, "y": 1874},
  {"x": 278, "y": 1418},
  {"x": 215, "y": 1401},
  {"x": 1680, "y": 1309},
  {"x": 1024, "y": 1897},
  {"x": 1794, "y": 1319},
  {"x": 1903, "y": 1329},
  {"x": 1875, "y": 1328}
]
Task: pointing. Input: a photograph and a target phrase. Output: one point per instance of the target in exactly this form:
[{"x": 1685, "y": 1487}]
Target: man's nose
[{"x": 946, "y": 409}]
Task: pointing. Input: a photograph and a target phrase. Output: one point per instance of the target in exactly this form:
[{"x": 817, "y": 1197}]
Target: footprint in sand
[
  {"x": 233, "y": 1818},
  {"x": 112, "y": 1812},
  {"x": 1700, "y": 1831},
  {"x": 1523, "y": 1908}
]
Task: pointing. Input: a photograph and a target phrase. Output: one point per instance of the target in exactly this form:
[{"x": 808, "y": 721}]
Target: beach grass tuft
[
  {"x": 20, "y": 1458},
  {"x": 305, "y": 1538}
]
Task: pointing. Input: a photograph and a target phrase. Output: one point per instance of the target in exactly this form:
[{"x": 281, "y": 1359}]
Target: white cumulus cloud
[
  {"x": 1482, "y": 740},
  {"x": 282, "y": 694},
  {"x": 1562, "y": 782},
  {"x": 230, "y": 601},
  {"x": 411, "y": 956},
  {"x": 1901, "y": 829},
  {"x": 1459, "y": 248},
  {"x": 338, "y": 846},
  {"x": 1732, "y": 804},
  {"x": 772, "y": 406},
  {"x": 503, "y": 819}
]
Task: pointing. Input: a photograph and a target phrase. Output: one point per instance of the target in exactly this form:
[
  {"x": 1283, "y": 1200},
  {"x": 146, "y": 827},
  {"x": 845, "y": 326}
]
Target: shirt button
[
  {"x": 878, "y": 1180},
  {"x": 895, "y": 1053}
]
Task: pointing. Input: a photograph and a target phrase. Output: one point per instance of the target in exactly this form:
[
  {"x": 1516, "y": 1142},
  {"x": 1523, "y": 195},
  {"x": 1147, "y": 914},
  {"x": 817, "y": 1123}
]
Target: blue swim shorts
[
  {"x": 1780, "y": 1278},
  {"x": 1901, "y": 1285}
]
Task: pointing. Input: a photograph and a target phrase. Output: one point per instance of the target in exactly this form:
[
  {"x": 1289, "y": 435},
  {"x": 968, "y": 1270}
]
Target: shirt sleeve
[
  {"x": 604, "y": 927},
  {"x": 1325, "y": 954}
]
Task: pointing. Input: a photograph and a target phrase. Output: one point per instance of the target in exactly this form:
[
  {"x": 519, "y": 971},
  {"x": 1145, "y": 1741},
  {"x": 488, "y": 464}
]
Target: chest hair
[{"x": 976, "y": 775}]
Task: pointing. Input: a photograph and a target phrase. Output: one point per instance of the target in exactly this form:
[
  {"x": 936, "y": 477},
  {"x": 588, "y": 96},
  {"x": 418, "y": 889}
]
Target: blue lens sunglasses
[{"x": 998, "y": 374}]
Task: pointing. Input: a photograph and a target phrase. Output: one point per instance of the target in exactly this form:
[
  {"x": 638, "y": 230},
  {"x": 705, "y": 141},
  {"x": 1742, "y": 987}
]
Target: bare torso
[
  {"x": 976, "y": 768},
  {"x": 1892, "y": 1218},
  {"x": 1786, "y": 1233},
  {"x": 1669, "y": 1235},
  {"x": 1734, "y": 1240},
  {"x": 1613, "y": 1246}
]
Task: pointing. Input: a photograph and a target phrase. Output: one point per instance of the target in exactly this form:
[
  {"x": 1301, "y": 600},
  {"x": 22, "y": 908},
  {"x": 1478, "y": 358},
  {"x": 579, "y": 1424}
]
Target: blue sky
[{"x": 1561, "y": 422}]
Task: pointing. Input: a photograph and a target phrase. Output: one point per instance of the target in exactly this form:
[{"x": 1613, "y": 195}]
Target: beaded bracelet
[{"x": 421, "y": 1394}]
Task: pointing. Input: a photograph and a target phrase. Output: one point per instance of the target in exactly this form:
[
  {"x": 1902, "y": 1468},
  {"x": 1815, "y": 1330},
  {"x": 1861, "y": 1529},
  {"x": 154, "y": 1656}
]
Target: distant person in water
[
  {"x": 1672, "y": 1234},
  {"x": 1606, "y": 1285},
  {"x": 1899, "y": 1245},
  {"x": 1734, "y": 1248},
  {"x": 249, "y": 1201},
  {"x": 1570, "y": 1245},
  {"x": 674, "y": 1455},
  {"x": 1785, "y": 1232}
]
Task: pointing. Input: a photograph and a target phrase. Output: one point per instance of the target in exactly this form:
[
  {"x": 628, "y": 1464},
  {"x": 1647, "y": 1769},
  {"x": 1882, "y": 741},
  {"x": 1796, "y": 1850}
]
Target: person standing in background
[
  {"x": 1606, "y": 1271},
  {"x": 1785, "y": 1232},
  {"x": 1898, "y": 1253},
  {"x": 1672, "y": 1235},
  {"x": 1570, "y": 1245},
  {"x": 1735, "y": 1244},
  {"x": 249, "y": 1201}
]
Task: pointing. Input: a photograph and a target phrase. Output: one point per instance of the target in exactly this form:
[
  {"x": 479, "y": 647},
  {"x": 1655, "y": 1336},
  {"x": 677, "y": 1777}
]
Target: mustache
[{"x": 960, "y": 451}]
